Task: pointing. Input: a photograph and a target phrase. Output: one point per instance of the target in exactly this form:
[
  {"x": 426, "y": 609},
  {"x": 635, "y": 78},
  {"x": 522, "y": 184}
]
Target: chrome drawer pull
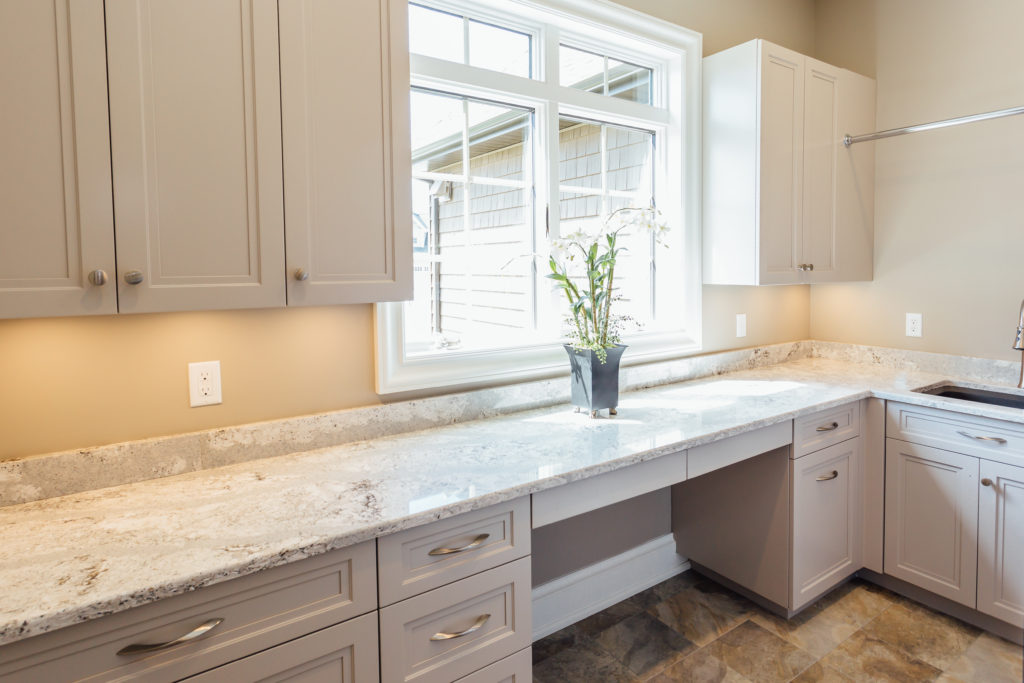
[
  {"x": 995, "y": 439},
  {"x": 481, "y": 620},
  {"x": 829, "y": 428},
  {"x": 828, "y": 477},
  {"x": 197, "y": 632},
  {"x": 472, "y": 546}
]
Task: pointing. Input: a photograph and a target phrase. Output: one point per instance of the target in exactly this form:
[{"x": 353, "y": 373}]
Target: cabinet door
[
  {"x": 195, "y": 131},
  {"x": 781, "y": 135},
  {"x": 345, "y": 92},
  {"x": 339, "y": 654},
  {"x": 826, "y": 519},
  {"x": 821, "y": 142},
  {"x": 931, "y": 518},
  {"x": 1001, "y": 542},
  {"x": 55, "y": 203}
]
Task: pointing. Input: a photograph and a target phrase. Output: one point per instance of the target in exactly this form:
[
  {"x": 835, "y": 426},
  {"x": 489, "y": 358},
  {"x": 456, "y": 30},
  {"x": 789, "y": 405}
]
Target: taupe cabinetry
[
  {"x": 954, "y": 517},
  {"x": 787, "y": 523},
  {"x": 56, "y": 220},
  {"x": 345, "y": 90},
  {"x": 784, "y": 199}
]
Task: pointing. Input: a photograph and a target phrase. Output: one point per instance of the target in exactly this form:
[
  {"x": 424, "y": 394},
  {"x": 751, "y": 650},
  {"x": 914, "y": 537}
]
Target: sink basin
[{"x": 995, "y": 398}]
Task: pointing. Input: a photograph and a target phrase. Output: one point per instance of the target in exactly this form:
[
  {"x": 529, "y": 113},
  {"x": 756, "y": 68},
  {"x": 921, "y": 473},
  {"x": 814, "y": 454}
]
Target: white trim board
[{"x": 570, "y": 598}]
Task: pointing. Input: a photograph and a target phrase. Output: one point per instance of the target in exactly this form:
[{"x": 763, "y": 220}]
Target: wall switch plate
[
  {"x": 913, "y": 324},
  {"x": 204, "y": 383},
  {"x": 741, "y": 324}
]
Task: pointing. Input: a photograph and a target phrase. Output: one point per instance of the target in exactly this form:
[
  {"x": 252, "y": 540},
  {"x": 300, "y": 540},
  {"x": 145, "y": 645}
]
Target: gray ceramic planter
[{"x": 595, "y": 385}]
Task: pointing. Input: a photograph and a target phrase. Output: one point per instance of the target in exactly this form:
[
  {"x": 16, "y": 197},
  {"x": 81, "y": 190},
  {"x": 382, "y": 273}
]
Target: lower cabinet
[
  {"x": 339, "y": 654},
  {"x": 931, "y": 507},
  {"x": 1001, "y": 542}
]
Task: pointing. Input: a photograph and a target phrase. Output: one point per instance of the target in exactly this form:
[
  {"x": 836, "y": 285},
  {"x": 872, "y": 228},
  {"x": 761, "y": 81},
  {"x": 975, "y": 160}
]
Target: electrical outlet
[
  {"x": 741, "y": 324},
  {"x": 913, "y": 324},
  {"x": 204, "y": 383}
]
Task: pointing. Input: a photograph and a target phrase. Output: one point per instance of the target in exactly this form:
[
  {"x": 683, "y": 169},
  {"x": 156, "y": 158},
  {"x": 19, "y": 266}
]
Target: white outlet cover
[
  {"x": 204, "y": 383},
  {"x": 914, "y": 324},
  {"x": 741, "y": 324}
]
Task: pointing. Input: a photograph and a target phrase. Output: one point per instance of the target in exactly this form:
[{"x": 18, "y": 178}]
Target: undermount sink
[{"x": 995, "y": 398}]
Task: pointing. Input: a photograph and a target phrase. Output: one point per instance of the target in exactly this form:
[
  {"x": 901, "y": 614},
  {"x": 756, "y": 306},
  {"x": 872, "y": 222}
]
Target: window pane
[
  {"x": 579, "y": 154},
  {"x": 437, "y": 123},
  {"x": 580, "y": 70},
  {"x": 499, "y": 49},
  {"x": 499, "y": 141},
  {"x": 629, "y": 82},
  {"x": 629, "y": 157},
  {"x": 436, "y": 34}
]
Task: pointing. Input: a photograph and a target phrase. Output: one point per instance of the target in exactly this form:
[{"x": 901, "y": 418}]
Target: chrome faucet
[{"x": 1018, "y": 345}]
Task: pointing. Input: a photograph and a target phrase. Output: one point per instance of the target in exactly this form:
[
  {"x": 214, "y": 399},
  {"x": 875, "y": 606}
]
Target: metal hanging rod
[{"x": 852, "y": 139}]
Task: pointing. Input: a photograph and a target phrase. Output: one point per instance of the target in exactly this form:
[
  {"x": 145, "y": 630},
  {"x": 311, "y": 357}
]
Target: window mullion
[{"x": 467, "y": 216}]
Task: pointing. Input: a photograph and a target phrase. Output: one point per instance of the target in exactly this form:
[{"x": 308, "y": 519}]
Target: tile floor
[{"x": 691, "y": 629}]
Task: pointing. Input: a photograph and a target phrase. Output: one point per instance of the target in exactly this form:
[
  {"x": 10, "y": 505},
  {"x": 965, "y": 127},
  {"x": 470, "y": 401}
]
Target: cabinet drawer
[
  {"x": 417, "y": 560},
  {"x": 258, "y": 612},
  {"x": 346, "y": 652},
  {"x": 826, "y": 519},
  {"x": 813, "y": 432},
  {"x": 414, "y": 646},
  {"x": 979, "y": 436},
  {"x": 515, "y": 669}
]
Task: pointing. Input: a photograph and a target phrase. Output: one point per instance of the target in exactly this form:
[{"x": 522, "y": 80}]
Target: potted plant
[{"x": 583, "y": 266}]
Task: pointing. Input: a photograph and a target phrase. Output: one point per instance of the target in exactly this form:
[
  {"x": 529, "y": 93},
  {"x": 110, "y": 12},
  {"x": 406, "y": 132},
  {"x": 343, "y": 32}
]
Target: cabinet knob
[
  {"x": 134, "y": 277},
  {"x": 301, "y": 274},
  {"x": 805, "y": 267},
  {"x": 986, "y": 482},
  {"x": 98, "y": 277}
]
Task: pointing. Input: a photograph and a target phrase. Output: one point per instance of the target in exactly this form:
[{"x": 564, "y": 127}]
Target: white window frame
[{"x": 677, "y": 53}]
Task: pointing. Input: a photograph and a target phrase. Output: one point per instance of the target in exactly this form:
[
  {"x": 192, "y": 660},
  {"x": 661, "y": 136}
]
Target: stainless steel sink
[{"x": 995, "y": 398}]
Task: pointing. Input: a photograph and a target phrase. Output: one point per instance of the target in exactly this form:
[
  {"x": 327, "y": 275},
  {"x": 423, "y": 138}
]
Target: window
[{"x": 527, "y": 123}]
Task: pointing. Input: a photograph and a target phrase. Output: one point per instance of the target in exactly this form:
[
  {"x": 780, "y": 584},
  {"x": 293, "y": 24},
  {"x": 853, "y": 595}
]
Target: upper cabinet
[
  {"x": 345, "y": 94},
  {"x": 785, "y": 202},
  {"x": 56, "y": 219},
  {"x": 238, "y": 131},
  {"x": 196, "y": 147}
]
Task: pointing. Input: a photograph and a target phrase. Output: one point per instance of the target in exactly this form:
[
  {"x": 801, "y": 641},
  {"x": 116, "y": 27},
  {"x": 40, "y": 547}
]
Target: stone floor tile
[
  {"x": 608, "y": 617},
  {"x": 990, "y": 659},
  {"x": 819, "y": 673},
  {"x": 554, "y": 643},
  {"x": 923, "y": 634},
  {"x": 812, "y": 630},
  {"x": 677, "y": 584},
  {"x": 702, "y": 615},
  {"x": 582, "y": 663},
  {"x": 644, "y": 644},
  {"x": 760, "y": 655},
  {"x": 699, "y": 667},
  {"x": 865, "y": 658},
  {"x": 854, "y": 603}
]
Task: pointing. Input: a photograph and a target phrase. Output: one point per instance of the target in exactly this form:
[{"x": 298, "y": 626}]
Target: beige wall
[
  {"x": 949, "y": 204},
  {"x": 70, "y": 383}
]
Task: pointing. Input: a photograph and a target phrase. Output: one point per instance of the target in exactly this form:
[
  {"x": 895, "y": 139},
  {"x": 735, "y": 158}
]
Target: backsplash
[{"x": 63, "y": 473}]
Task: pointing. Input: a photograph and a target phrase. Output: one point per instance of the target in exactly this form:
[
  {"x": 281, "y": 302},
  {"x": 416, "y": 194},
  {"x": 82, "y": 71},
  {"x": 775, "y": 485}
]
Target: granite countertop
[{"x": 82, "y": 556}]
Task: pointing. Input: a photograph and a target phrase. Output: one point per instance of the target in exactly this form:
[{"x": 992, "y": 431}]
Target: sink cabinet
[
  {"x": 954, "y": 516},
  {"x": 785, "y": 202}
]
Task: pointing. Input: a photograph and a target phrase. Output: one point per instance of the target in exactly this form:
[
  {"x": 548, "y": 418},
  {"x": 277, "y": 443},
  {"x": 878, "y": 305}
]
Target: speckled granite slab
[{"x": 66, "y": 560}]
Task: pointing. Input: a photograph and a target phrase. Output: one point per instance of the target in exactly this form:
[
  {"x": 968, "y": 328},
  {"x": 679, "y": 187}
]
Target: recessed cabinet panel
[
  {"x": 55, "y": 163},
  {"x": 931, "y": 516},
  {"x": 345, "y": 87},
  {"x": 821, "y": 135},
  {"x": 1001, "y": 542},
  {"x": 782, "y": 121},
  {"x": 196, "y": 149},
  {"x": 826, "y": 519}
]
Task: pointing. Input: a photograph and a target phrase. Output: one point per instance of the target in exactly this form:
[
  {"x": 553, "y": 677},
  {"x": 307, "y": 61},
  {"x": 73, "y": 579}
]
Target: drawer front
[
  {"x": 813, "y": 432},
  {"x": 339, "y": 654},
  {"x": 258, "y": 611},
  {"x": 978, "y": 436},
  {"x": 517, "y": 668},
  {"x": 417, "y": 560},
  {"x": 420, "y": 638},
  {"x": 826, "y": 519}
]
